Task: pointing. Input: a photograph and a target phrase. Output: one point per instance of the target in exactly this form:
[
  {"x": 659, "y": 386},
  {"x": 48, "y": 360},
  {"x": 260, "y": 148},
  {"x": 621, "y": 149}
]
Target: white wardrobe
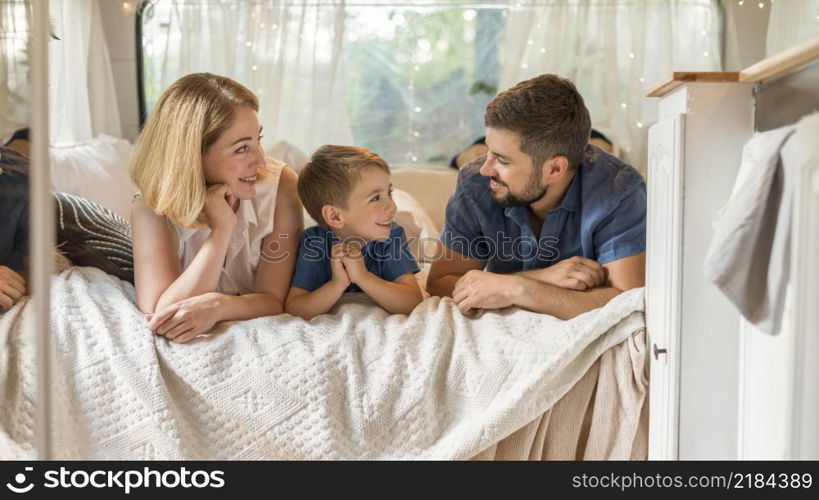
[
  {"x": 720, "y": 389},
  {"x": 694, "y": 154}
]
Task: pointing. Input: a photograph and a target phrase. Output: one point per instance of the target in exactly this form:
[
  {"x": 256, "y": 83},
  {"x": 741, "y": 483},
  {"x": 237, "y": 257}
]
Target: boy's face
[{"x": 370, "y": 208}]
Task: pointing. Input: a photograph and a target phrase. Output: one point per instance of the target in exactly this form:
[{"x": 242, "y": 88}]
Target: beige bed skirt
[{"x": 604, "y": 416}]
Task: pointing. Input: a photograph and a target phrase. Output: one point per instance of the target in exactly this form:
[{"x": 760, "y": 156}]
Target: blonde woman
[{"x": 216, "y": 226}]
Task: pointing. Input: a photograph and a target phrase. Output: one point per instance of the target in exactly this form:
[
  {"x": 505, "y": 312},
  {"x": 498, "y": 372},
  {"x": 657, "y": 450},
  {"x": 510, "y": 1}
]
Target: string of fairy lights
[
  {"x": 760, "y": 4},
  {"x": 414, "y": 130}
]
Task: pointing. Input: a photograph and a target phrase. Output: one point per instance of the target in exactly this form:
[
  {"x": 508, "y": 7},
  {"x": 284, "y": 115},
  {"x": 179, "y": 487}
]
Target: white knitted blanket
[{"x": 360, "y": 384}]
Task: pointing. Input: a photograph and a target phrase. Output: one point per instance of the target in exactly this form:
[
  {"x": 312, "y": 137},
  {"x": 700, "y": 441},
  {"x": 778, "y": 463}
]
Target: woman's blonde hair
[{"x": 167, "y": 162}]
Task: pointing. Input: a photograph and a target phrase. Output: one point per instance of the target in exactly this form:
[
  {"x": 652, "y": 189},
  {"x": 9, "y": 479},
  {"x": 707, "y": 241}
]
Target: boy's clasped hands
[{"x": 347, "y": 263}]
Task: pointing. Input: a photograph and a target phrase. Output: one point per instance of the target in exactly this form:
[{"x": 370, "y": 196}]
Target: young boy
[{"x": 356, "y": 246}]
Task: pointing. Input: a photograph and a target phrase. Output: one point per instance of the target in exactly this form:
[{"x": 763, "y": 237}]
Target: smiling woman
[{"x": 216, "y": 225}]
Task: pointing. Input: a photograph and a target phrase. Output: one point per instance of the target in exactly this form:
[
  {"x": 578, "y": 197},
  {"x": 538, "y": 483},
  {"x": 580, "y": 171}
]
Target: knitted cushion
[{"x": 91, "y": 235}]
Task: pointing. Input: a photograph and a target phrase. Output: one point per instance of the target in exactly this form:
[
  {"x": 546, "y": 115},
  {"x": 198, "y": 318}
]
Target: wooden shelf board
[{"x": 680, "y": 77}]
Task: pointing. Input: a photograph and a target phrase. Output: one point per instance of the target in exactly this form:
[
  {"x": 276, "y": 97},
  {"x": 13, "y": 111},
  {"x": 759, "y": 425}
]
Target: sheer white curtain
[
  {"x": 287, "y": 52},
  {"x": 14, "y": 89},
  {"x": 791, "y": 22},
  {"x": 419, "y": 75},
  {"x": 82, "y": 98},
  {"x": 614, "y": 51}
]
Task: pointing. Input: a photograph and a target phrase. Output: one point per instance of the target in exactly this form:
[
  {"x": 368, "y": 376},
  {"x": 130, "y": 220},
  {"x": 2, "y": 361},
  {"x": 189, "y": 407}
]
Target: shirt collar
[
  {"x": 518, "y": 215},
  {"x": 246, "y": 212},
  {"x": 245, "y": 215},
  {"x": 571, "y": 200},
  {"x": 331, "y": 237}
]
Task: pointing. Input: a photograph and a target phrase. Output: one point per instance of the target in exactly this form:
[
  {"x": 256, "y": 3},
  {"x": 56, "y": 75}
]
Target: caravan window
[{"x": 408, "y": 80}]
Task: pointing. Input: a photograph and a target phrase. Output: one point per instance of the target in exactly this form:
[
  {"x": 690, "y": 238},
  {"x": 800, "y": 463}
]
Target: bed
[
  {"x": 356, "y": 384},
  {"x": 359, "y": 384}
]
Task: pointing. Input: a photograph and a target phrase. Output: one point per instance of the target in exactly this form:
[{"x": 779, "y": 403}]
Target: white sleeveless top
[{"x": 254, "y": 221}]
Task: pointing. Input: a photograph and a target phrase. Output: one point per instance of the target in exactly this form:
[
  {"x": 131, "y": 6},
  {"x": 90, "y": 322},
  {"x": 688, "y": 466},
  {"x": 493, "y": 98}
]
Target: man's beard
[{"x": 533, "y": 192}]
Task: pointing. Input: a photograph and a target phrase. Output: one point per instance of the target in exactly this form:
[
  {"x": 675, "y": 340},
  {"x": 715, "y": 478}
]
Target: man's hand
[
  {"x": 478, "y": 290},
  {"x": 574, "y": 273},
  {"x": 187, "y": 319},
  {"x": 12, "y": 288}
]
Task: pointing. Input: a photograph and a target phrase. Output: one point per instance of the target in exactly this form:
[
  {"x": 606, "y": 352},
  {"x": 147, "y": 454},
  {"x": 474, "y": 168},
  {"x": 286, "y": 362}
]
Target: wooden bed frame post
[{"x": 41, "y": 222}]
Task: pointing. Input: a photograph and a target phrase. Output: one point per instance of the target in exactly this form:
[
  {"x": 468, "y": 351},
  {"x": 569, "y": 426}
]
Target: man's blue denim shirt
[{"x": 602, "y": 217}]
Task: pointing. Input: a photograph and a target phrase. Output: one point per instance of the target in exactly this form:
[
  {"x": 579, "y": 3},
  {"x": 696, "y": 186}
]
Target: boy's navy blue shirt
[
  {"x": 602, "y": 217},
  {"x": 13, "y": 209},
  {"x": 388, "y": 259}
]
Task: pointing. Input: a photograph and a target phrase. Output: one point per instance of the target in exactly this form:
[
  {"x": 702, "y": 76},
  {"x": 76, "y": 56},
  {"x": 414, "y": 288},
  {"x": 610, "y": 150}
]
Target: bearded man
[{"x": 543, "y": 221}]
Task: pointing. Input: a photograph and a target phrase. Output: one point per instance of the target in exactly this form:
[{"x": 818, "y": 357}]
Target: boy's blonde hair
[
  {"x": 167, "y": 162},
  {"x": 331, "y": 175}
]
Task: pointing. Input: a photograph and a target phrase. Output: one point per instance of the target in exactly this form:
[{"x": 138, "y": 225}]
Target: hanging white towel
[{"x": 749, "y": 256}]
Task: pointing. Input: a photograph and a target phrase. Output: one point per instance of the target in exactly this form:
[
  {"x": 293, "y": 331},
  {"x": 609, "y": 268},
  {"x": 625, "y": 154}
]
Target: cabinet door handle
[{"x": 658, "y": 351}]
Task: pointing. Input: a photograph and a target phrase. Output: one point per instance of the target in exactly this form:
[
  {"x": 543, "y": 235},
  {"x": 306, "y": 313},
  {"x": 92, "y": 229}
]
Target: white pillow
[
  {"x": 289, "y": 154},
  {"x": 96, "y": 170},
  {"x": 431, "y": 186},
  {"x": 421, "y": 231}
]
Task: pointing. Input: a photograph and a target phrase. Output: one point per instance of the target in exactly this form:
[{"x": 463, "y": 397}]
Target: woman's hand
[
  {"x": 12, "y": 288},
  {"x": 219, "y": 208},
  {"x": 187, "y": 319}
]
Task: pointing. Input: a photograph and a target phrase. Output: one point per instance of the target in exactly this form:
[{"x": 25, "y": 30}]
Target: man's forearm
[
  {"x": 563, "y": 303},
  {"x": 443, "y": 286},
  {"x": 537, "y": 274}
]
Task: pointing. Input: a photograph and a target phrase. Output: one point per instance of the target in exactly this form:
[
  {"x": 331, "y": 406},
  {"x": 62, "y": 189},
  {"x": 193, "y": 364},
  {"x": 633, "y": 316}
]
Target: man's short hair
[
  {"x": 330, "y": 176},
  {"x": 549, "y": 114}
]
